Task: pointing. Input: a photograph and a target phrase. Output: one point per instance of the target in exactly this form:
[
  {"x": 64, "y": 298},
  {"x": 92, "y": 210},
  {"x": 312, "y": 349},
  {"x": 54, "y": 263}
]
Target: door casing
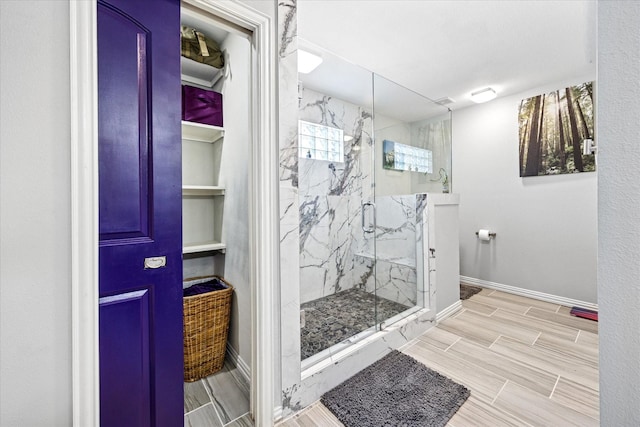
[{"x": 263, "y": 217}]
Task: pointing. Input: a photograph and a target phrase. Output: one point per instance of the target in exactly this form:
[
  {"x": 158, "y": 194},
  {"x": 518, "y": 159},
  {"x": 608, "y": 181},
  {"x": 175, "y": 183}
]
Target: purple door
[{"x": 141, "y": 361}]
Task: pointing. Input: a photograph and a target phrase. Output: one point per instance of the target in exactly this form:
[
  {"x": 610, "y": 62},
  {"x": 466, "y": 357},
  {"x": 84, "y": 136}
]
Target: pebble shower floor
[{"x": 334, "y": 318}]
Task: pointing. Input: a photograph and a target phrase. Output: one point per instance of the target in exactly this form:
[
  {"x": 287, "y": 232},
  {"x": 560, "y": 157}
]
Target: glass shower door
[
  {"x": 368, "y": 153},
  {"x": 335, "y": 180},
  {"x": 411, "y": 157}
]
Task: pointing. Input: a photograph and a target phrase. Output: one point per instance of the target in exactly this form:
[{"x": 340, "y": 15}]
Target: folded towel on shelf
[{"x": 214, "y": 284}]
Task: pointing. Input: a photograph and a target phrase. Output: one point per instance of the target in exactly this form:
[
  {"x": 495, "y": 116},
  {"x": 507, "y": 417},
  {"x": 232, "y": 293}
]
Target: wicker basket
[{"x": 206, "y": 326}]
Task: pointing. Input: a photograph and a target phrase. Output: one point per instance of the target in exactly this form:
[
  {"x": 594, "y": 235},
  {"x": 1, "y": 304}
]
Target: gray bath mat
[
  {"x": 397, "y": 390},
  {"x": 467, "y": 291}
]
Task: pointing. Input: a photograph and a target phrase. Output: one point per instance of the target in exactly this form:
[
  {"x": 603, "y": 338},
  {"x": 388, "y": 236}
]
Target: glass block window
[
  {"x": 406, "y": 157},
  {"x": 320, "y": 142}
]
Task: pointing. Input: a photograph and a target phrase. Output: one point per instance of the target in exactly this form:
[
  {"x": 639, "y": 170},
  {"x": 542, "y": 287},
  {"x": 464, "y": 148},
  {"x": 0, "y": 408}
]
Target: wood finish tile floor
[
  {"x": 526, "y": 362},
  {"x": 220, "y": 400}
]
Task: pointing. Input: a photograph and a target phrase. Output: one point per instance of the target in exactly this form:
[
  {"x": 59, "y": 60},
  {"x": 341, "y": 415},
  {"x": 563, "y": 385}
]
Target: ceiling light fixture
[
  {"x": 307, "y": 61},
  {"x": 483, "y": 95},
  {"x": 444, "y": 101}
]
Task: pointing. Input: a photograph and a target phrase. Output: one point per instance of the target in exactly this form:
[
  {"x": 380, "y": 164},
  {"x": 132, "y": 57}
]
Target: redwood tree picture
[{"x": 552, "y": 129}]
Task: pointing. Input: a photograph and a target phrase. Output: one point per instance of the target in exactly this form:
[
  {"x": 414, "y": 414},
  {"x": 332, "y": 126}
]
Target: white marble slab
[
  {"x": 331, "y": 198},
  {"x": 289, "y": 204}
]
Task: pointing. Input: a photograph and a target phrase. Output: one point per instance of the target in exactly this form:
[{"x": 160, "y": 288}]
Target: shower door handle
[{"x": 364, "y": 227}]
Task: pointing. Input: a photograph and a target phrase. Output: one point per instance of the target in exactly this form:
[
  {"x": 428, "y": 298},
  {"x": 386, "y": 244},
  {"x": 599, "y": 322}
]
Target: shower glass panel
[
  {"x": 412, "y": 157},
  {"x": 335, "y": 180},
  {"x": 362, "y": 200}
]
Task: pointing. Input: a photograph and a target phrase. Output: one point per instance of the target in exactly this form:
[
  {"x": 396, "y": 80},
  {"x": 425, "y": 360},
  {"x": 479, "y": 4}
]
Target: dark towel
[{"x": 202, "y": 288}]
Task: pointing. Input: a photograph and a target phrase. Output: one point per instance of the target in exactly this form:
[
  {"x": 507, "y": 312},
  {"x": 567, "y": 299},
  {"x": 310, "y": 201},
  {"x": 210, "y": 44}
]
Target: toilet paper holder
[{"x": 491, "y": 234}]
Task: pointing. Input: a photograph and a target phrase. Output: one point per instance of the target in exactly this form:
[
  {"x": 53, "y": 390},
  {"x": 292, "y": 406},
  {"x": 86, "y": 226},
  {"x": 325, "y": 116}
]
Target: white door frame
[{"x": 263, "y": 216}]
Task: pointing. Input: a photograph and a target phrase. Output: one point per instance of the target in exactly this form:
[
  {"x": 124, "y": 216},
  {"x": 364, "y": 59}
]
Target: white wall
[
  {"x": 546, "y": 225},
  {"x": 445, "y": 240},
  {"x": 268, "y": 7},
  {"x": 35, "y": 208},
  {"x": 618, "y": 128},
  {"x": 234, "y": 176}
]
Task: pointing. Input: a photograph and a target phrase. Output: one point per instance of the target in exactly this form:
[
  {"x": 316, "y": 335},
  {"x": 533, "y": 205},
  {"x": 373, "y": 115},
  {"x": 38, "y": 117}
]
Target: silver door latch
[{"x": 155, "y": 262}]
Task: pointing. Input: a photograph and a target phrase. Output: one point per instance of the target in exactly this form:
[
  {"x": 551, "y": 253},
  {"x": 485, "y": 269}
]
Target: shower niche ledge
[{"x": 406, "y": 262}]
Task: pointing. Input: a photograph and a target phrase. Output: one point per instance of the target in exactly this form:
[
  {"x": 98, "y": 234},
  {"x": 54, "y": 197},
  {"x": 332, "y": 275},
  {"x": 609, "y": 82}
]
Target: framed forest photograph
[{"x": 552, "y": 128}]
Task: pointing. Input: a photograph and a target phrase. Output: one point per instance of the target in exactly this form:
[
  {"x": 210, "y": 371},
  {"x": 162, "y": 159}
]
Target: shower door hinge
[{"x": 302, "y": 319}]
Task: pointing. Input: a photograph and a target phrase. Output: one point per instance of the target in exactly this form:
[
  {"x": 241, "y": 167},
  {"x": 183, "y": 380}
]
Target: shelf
[
  {"x": 200, "y": 132},
  {"x": 193, "y": 248},
  {"x": 406, "y": 262},
  {"x": 202, "y": 190},
  {"x": 198, "y": 73}
]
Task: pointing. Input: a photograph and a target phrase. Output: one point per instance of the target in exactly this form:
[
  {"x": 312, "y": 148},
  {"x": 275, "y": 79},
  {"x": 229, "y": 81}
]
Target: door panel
[
  {"x": 141, "y": 357},
  {"x": 123, "y": 122},
  {"x": 124, "y": 347}
]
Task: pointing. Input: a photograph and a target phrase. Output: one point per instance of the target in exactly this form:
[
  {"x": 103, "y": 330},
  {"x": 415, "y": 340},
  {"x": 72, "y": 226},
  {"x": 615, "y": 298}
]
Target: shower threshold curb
[{"x": 396, "y": 331}]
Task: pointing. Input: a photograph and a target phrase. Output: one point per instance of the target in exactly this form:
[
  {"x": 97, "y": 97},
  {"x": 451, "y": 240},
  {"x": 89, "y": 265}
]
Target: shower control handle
[{"x": 369, "y": 229}]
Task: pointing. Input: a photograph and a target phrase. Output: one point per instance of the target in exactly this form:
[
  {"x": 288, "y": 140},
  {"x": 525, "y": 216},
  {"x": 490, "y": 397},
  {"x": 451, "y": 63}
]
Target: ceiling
[{"x": 452, "y": 48}]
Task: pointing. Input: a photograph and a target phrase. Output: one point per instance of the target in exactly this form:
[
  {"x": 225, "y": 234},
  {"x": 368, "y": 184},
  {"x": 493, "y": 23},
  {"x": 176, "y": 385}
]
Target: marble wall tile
[
  {"x": 290, "y": 285},
  {"x": 399, "y": 218},
  {"x": 289, "y": 234},
  {"x": 288, "y": 92},
  {"x": 315, "y": 246},
  {"x": 289, "y": 204},
  {"x": 396, "y": 281},
  {"x": 315, "y": 176},
  {"x": 331, "y": 198},
  {"x": 339, "y": 277},
  {"x": 325, "y": 246},
  {"x": 422, "y": 251},
  {"x": 400, "y": 268},
  {"x": 356, "y": 121},
  {"x": 395, "y": 227},
  {"x": 363, "y": 272},
  {"x": 395, "y": 232},
  {"x": 367, "y": 163},
  {"x": 287, "y": 28},
  {"x": 289, "y": 161},
  {"x": 362, "y": 242}
]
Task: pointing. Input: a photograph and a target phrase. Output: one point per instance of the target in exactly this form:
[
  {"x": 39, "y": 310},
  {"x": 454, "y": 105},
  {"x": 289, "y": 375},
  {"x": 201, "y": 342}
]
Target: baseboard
[
  {"x": 555, "y": 299},
  {"x": 448, "y": 311},
  {"x": 242, "y": 366},
  {"x": 277, "y": 413}
]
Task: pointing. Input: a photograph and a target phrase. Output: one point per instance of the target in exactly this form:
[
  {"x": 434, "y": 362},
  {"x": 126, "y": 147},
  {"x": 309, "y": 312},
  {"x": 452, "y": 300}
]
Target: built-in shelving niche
[{"x": 202, "y": 197}]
